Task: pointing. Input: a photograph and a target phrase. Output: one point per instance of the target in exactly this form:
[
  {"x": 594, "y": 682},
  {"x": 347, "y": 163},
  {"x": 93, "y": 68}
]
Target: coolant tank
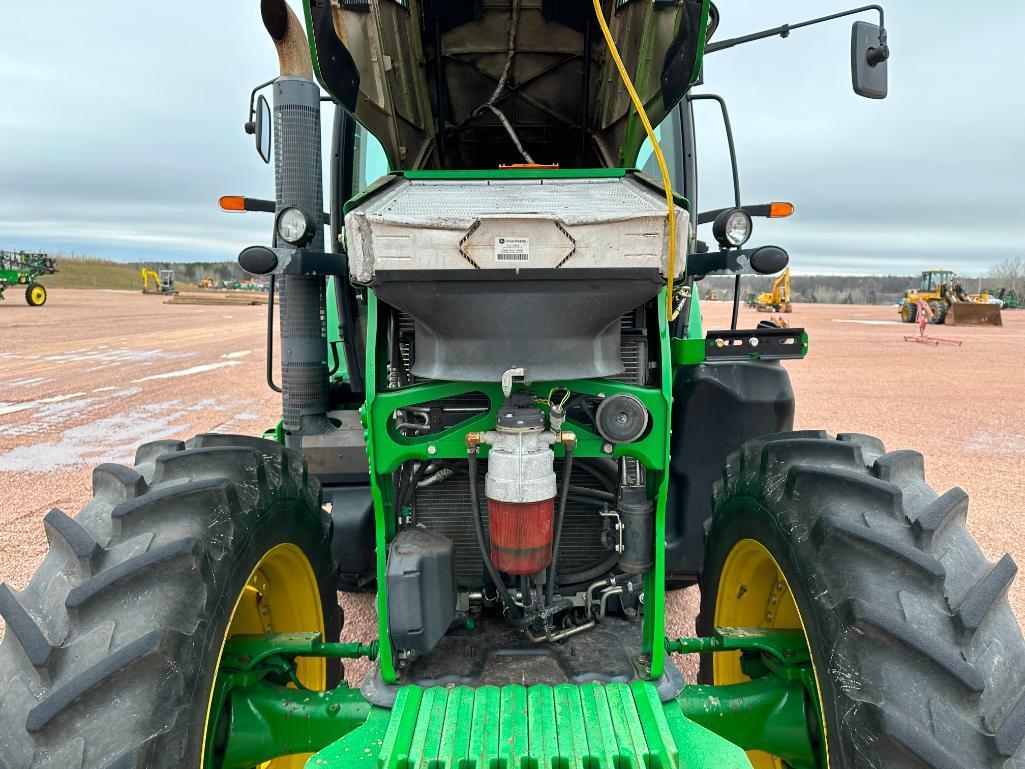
[{"x": 521, "y": 535}]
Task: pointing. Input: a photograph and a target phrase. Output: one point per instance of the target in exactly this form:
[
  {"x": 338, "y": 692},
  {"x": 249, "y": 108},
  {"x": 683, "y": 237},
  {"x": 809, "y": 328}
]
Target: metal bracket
[
  {"x": 756, "y": 344},
  {"x": 617, "y": 525},
  {"x": 303, "y": 261}
]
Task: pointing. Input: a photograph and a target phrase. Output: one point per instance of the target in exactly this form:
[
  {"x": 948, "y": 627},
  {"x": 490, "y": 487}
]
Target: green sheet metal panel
[{"x": 592, "y": 726}]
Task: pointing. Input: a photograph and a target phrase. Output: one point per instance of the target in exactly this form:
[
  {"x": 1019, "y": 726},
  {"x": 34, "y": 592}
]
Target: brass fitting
[
  {"x": 472, "y": 441},
  {"x": 566, "y": 438}
]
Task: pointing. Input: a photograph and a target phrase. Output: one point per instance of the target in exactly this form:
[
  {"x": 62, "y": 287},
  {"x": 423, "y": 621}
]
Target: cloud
[
  {"x": 931, "y": 175},
  {"x": 118, "y": 139},
  {"x": 124, "y": 134}
]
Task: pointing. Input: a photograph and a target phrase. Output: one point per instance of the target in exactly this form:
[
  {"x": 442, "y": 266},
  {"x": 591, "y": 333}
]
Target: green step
[{"x": 591, "y": 726}]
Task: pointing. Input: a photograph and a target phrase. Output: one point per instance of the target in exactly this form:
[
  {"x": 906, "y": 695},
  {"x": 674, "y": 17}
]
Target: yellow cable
[{"x": 655, "y": 147}]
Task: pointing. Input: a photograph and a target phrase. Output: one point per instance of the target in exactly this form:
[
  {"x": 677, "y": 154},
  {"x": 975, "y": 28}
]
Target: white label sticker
[{"x": 512, "y": 249}]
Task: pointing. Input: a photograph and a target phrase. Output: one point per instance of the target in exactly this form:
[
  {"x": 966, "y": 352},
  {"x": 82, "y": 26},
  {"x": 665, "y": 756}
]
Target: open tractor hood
[{"x": 420, "y": 76}]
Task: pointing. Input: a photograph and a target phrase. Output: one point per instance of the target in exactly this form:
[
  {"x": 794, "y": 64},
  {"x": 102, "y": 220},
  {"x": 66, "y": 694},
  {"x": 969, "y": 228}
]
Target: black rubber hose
[
  {"x": 606, "y": 476},
  {"x": 507, "y": 600},
  {"x": 406, "y": 496},
  {"x": 583, "y": 491},
  {"x": 560, "y": 516}
]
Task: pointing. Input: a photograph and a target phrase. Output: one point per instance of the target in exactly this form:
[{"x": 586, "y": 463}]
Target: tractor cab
[{"x": 933, "y": 280}]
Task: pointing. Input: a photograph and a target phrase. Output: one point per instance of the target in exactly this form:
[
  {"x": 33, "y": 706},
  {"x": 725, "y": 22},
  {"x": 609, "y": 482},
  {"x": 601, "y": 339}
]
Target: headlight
[
  {"x": 732, "y": 227},
  {"x": 295, "y": 226}
]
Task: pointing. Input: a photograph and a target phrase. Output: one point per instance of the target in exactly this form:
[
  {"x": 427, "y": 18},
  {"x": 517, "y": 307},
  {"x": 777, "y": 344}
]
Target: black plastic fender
[{"x": 717, "y": 406}]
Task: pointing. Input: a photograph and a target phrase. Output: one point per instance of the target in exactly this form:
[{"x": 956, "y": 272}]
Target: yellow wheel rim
[
  {"x": 38, "y": 295},
  {"x": 280, "y": 596},
  {"x": 754, "y": 593}
]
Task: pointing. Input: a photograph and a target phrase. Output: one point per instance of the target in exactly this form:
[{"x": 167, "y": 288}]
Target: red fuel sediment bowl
[{"x": 521, "y": 535}]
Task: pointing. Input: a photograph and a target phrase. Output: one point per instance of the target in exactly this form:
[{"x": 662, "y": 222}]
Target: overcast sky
[{"x": 121, "y": 124}]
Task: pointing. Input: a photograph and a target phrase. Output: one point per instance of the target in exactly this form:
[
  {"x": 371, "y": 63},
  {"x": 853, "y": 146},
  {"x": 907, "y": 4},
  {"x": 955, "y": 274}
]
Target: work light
[
  {"x": 732, "y": 227},
  {"x": 295, "y": 226}
]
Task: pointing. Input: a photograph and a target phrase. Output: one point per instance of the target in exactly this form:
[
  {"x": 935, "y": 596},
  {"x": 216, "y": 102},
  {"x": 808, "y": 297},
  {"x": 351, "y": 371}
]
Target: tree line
[
  {"x": 862, "y": 289},
  {"x": 823, "y": 289}
]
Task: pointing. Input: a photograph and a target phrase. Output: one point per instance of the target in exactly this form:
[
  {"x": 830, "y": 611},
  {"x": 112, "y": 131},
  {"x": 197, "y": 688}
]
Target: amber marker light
[
  {"x": 238, "y": 203},
  {"x": 780, "y": 210}
]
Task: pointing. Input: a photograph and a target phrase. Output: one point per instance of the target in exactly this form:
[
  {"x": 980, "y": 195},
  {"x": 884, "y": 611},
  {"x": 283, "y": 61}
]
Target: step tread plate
[{"x": 590, "y": 726}]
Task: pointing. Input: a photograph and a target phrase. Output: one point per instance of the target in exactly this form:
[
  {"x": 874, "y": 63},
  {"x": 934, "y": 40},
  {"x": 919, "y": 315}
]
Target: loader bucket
[{"x": 970, "y": 314}]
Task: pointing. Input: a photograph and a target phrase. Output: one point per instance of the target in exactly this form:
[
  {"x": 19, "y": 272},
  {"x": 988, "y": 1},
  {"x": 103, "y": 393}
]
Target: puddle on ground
[
  {"x": 26, "y": 382},
  {"x": 996, "y": 442},
  {"x": 188, "y": 371},
  {"x": 102, "y": 354},
  {"x": 51, "y": 414},
  {"x": 110, "y": 439}
]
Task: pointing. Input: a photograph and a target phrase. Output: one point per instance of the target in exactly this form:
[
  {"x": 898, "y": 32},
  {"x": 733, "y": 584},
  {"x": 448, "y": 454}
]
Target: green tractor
[
  {"x": 503, "y": 417},
  {"x": 24, "y": 269}
]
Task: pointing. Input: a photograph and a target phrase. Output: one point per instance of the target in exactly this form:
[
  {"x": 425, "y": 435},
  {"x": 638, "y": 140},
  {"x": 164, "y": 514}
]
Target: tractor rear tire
[
  {"x": 35, "y": 295},
  {"x": 110, "y": 652},
  {"x": 908, "y": 313},
  {"x": 919, "y": 660}
]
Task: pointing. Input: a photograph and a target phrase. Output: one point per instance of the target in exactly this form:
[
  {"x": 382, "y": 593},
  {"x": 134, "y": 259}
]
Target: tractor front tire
[
  {"x": 110, "y": 653},
  {"x": 35, "y": 295},
  {"x": 918, "y": 659}
]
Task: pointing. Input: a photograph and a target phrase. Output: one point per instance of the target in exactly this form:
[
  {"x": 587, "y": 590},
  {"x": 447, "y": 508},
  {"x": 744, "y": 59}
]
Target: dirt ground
[{"x": 90, "y": 375}]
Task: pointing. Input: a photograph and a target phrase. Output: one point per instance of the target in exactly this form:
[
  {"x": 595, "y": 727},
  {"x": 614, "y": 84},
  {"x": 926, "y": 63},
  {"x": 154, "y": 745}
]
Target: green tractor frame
[
  {"x": 503, "y": 417},
  {"x": 24, "y": 269}
]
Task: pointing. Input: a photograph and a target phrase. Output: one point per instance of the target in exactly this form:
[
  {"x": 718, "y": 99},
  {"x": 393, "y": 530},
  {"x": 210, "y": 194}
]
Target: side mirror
[
  {"x": 263, "y": 129},
  {"x": 869, "y": 53}
]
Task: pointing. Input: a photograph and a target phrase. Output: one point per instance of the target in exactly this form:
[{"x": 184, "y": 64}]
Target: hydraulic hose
[
  {"x": 560, "y": 516},
  {"x": 503, "y": 593},
  {"x": 406, "y": 494},
  {"x": 656, "y": 148}
]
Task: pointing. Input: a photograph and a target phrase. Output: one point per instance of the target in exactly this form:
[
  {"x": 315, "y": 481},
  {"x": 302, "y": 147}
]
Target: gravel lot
[{"x": 90, "y": 375}]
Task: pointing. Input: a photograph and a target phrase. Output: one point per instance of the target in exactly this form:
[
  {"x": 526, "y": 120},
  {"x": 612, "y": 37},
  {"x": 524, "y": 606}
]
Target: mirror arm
[
  {"x": 876, "y": 55},
  {"x": 250, "y": 124},
  {"x": 729, "y": 137}
]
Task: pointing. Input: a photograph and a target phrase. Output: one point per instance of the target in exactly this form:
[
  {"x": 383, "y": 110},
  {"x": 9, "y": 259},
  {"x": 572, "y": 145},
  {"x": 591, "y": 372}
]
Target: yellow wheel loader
[{"x": 950, "y": 303}]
